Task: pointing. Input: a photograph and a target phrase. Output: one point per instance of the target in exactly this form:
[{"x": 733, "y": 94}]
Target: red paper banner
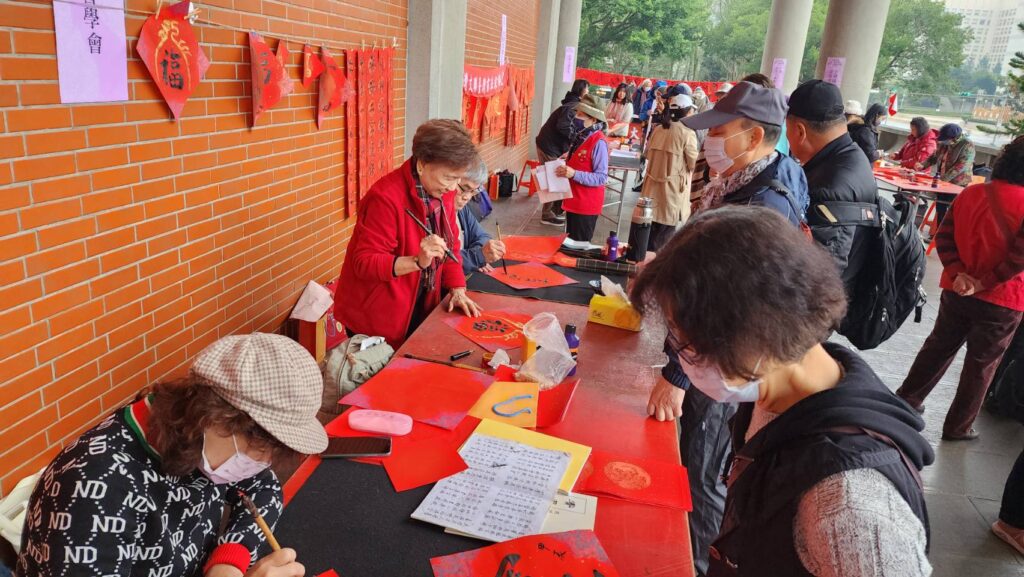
[
  {"x": 333, "y": 88},
  {"x": 613, "y": 79},
  {"x": 351, "y": 131},
  {"x": 569, "y": 554},
  {"x": 484, "y": 82},
  {"x": 312, "y": 67},
  {"x": 530, "y": 275},
  {"x": 540, "y": 249},
  {"x": 634, "y": 479},
  {"x": 492, "y": 330},
  {"x": 168, "y": 47},
  {"x": 270, "y": 83}
]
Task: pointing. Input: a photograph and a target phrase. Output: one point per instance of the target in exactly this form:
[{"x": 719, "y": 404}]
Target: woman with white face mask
[
  {"x": 824, "y": 479},
  {"x": 144, "y": 492}
]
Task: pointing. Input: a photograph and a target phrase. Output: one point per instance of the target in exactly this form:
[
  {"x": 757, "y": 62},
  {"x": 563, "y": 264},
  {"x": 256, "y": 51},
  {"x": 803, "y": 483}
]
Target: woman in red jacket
[
  {"x": 586, "y": 167},
  {"x": 981, "y": 246},
  {"x": 393, "y": 271},
  {"x": 920, "y": 144}
]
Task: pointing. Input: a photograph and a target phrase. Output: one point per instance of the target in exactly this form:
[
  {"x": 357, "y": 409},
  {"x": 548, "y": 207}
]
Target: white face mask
[
  {"x": 238, "y": 467},
  {"x": 710, "y": 381},
  {"x": 714, "y": 152}
]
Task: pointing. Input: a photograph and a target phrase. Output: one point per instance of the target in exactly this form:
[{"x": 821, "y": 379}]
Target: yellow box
[{"x": 614, "y": 313}]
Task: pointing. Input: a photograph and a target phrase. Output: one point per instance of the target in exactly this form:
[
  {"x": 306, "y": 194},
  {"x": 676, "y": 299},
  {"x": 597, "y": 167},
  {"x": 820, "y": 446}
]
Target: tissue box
[{"x": 614, "y": 313}]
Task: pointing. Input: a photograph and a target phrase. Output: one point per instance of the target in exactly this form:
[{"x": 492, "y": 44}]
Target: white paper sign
[
  {"x": 504, "y": 39},
  {"x": 778, "y": 72},
  {"x": 556, "y": 183},
  {"x": 92, "y": 54},
  {"x": 834, "y": 69},
  {"x": 569, "y": 65}
]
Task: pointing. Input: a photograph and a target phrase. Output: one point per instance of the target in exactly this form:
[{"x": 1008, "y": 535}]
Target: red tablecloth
[{"x": 922, "y": 183}]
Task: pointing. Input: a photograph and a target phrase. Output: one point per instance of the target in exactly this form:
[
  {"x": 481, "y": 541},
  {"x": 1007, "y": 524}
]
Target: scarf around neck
[{"x": 719, "y": 188}]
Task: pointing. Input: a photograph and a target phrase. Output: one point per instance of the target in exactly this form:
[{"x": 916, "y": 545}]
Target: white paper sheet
[
  {"x": 572, "y": 512},
  {"x": 543, "y": 194},
  {"x": 556, "y": 183},
  {"x": 313, "y": 303},
  {"x": 504, "y": 494}
]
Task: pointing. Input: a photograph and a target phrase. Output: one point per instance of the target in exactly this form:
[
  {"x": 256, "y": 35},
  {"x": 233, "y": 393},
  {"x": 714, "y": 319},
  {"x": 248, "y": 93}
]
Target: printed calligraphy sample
[
  {"x": 492, "y": 330},
  {"x": 505, "y": 493},
  {"x": 569, "y": 554},
  {"x": 530, "y": 275}
]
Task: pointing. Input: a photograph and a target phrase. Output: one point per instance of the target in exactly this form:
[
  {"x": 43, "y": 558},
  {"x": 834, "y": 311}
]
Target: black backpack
[{"x": 889, "y": 286}]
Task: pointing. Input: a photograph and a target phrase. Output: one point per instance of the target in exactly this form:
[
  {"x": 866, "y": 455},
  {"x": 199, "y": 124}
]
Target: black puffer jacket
[
  {"x": 865, "y": 137},
  {"x": 555, "y": 136},
  {"x": 841, "y": 172}
]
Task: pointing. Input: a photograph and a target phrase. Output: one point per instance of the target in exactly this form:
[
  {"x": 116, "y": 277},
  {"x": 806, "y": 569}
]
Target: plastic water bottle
[{"x": 574, "y": 344}]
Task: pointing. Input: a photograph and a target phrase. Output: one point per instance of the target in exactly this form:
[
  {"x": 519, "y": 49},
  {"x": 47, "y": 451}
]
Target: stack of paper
[
  {"x": 504, "y": 494},
  {"x": 549, "y": 186},
  {"x": 578, "y": 453}
]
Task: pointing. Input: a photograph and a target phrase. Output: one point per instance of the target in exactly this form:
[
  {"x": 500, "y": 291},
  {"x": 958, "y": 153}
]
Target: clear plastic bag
[{"x": 552, "y": 361}]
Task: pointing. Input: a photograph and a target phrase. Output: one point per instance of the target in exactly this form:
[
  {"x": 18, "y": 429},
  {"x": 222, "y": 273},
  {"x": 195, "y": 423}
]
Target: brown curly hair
[{"x": 183, "y": 409}]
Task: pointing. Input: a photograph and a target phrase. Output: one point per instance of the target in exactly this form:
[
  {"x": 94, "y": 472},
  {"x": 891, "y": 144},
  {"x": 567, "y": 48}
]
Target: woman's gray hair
[{"x": 478, "y": 174}]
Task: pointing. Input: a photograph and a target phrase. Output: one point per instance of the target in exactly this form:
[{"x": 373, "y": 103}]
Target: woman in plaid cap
[{"x": 145, "y": 491}]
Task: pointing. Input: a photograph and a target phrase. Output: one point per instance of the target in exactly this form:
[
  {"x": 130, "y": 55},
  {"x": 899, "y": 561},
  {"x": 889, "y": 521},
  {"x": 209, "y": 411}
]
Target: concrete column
[
  {"x": 569, "y": 13},
  {"x": 545, "y": 70},
  {"x": 435, "y": 59},
  {"x": 787, "y": 34},
  {"x": 853, "y": 30}
]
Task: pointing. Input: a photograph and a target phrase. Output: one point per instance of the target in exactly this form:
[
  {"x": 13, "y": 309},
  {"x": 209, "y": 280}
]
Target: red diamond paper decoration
[
  {"x": 312, "y": 67},
  {"x": 334, "y": 88},
  {"x": 168, "y": 47},
  {"x": 269, "y": 81}
]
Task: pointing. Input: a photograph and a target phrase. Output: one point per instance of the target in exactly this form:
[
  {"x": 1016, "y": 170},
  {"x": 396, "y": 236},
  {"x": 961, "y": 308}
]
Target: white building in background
[{"x": 994, "y": 24}]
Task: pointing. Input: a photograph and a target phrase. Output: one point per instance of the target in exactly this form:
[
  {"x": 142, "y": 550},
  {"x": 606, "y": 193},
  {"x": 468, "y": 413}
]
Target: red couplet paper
[
  {"x": 530, "y": 275},
  {"x": 540, "y": 249},
  {"x": 641, "y": 480},
  {"x": 552, "y": 404},
  {"x": 424, "y": 462},
  {"x": 331, "y": 573},
  {"x": 492, "y": 330},
  {"x": 168, "y": 47},
  {"x": 312, "y": 67},
  {"x": 569, "y": 554},
  {"x": 428, "y": 392},
  {"x": 270, "y": 83}
]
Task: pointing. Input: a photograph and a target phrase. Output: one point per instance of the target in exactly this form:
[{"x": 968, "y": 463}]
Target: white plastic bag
[{"x": 552, "y": 361}]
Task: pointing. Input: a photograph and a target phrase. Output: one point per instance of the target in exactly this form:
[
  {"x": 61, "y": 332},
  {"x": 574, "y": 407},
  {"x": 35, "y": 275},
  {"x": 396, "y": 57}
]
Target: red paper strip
[
  {"x": 351, "y": 141},
  {"x": 428, "y": 392},
  {"x": 312, "y": 67},
  {"x": 552, "y": 404},
  {"x": 533, "y": 248},
  {"x": 424, "y": 462},
  {"x": 169, "y": 49},
  {"x": 484, "y": 82},
  {"x": 331, "y": 573},
  {"x": 492, "y": 330},
  {"x": 333, "y": 88},
  {"x": 530, "y": 275},
  {"x": 571, "y": 554},
  {"x": 269, "y": 81},
  {"x": 641, "y": 480}
]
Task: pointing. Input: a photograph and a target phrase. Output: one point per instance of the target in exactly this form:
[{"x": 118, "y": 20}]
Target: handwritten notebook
[
  {"x": 505, "y": 493},
  {"x": 578, "y": 453}
]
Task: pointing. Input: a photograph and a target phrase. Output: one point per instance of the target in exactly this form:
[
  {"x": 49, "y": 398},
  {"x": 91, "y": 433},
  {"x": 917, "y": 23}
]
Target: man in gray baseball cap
[{"x": 743, "y": 128}]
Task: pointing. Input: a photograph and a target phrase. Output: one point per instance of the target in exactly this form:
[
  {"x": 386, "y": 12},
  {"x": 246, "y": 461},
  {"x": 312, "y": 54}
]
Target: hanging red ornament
[
  {"x": 333, "y": 88},
  {"x": 168, "y": 47},
  {"x": 269, "y": 81},
  {"x": 312, "y": 67}
]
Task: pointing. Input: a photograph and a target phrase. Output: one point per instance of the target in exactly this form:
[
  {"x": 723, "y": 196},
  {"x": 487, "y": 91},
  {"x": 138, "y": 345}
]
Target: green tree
[
  {"x": 1015, "y": 127},
  {"x": 645, "y": 37},
  {"x": 921, "y": 47},
  {"x": 734, "y": 45}
]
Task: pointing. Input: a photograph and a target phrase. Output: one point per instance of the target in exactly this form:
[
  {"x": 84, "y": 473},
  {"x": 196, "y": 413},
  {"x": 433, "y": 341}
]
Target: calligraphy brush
[
  {"x": 503, "y": 265},
  {"x": 262, "y": 524},
  {"x": 444, "y": 362},
  {"x": 447, "y": 251}
]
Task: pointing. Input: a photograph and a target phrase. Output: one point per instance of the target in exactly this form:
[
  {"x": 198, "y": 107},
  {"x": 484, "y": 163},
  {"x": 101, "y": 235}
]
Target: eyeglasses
[
  {"x": 466, "y": 189},
  {"x": 684, "y": 351}
]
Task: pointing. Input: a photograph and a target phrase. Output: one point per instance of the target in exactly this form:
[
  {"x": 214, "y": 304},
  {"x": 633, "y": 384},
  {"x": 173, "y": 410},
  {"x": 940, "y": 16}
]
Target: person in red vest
[
  {"x": 393, "y": 271},
  {"x": 981, "y": 246},
  {"x": 586, "y": 167}
]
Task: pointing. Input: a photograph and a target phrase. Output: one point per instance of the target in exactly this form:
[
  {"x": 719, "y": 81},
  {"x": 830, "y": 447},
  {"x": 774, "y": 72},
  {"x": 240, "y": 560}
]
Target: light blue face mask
[{"x": 709, "y": 380}]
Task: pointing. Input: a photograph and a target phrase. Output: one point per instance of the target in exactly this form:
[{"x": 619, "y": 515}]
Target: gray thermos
[{"x": 640, "y": 229}]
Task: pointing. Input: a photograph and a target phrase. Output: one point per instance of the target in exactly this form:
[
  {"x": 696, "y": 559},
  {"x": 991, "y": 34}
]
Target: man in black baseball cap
[
  {"x": 837, "y": 171},
  {"x": 743, "y": 128}
]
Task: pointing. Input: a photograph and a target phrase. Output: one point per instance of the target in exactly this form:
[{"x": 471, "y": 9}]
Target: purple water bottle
[
  {"x": 574, "y": 344},
  {"x": 613, "y": 246}
]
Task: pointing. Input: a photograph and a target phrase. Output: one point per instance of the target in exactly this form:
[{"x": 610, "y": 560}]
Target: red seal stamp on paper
[{"x": 627, "y": 475}]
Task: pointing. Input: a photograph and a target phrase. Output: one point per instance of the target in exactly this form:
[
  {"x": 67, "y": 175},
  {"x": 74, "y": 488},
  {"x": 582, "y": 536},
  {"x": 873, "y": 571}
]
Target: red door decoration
[
  {"x": 369, "y": 150},
  {"x": 351, "y": 131},
  {"x": 492, "y": 330},
  {"x": 168, "y": 47},
  {"x": 270, "y": 83},
  {"x": 569, "y": 554},
  {"x": 521, "y": 84},
  {"x": 333, "y": 88},
  {"x": 312, "y": 67}
]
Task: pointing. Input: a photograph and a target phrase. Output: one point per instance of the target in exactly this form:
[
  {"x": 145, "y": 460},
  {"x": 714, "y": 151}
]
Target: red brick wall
[
  {"x": 128, "y": 242},
  {"x": 483, "y": 41}
]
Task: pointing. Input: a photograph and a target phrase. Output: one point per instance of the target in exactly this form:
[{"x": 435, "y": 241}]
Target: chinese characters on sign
[
  {"x": 779, "y": 72},
  {"x": 270, "y": 82},
  {"x": 312, "y": 67},
  {"x": 834, "y": 70},
  {"x": 92, "y": 62},
  {"x": 169, "y": 49}
]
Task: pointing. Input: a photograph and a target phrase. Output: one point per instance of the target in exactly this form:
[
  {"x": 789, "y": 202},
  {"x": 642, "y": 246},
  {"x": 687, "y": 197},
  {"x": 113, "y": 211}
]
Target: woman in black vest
[{"x": 824, "y": 480}]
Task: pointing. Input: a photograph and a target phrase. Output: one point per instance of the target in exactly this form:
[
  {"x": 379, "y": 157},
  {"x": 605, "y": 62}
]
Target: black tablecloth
[
  {"x": 348, "y": 517},
  {"x": 577, "y": 294}
]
